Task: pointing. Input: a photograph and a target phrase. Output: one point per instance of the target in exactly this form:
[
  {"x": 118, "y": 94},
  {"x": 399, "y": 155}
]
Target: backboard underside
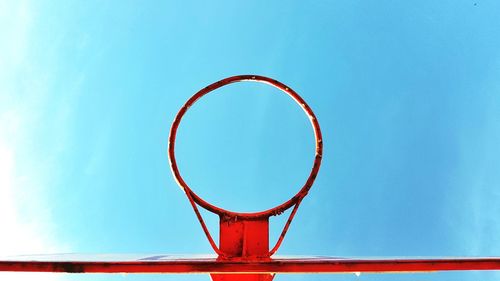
[{"x": 176, "y": 264}]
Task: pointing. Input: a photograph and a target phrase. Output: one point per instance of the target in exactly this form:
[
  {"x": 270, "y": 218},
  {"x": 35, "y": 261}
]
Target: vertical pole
[{"x": 243, "y": 239}]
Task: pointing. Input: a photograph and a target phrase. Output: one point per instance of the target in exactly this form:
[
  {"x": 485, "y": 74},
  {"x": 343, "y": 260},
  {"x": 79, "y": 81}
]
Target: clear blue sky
[{"x": 407, "y": 95}]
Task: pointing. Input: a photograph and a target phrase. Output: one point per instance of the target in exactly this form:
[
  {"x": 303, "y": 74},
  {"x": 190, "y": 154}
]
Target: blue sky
[{"x": 407, "y": 96}]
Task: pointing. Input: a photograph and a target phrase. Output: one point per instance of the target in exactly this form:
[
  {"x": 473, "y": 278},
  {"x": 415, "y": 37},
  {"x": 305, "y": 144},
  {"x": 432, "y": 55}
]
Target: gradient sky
[{"x": 407, "y": 94}]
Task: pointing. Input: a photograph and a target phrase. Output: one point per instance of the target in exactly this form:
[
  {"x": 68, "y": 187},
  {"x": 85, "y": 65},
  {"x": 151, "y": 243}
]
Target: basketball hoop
[{"x": 245, "y": 235}]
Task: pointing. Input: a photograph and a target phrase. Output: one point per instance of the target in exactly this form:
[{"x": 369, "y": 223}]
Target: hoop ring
[{"x": 297, "y": 198}]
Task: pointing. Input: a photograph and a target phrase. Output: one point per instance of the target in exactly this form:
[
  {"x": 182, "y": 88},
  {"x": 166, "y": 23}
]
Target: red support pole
[{"x": 243, "y": 239}]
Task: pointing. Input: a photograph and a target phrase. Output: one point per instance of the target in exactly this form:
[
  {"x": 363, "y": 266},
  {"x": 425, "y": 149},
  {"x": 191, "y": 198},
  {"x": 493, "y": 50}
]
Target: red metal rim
[{"x": 241, "y": 78}]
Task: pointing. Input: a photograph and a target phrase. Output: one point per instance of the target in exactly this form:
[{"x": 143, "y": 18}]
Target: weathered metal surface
[
  {"x": 244, "y": 239},
  {"x": 278, "y": 265}
]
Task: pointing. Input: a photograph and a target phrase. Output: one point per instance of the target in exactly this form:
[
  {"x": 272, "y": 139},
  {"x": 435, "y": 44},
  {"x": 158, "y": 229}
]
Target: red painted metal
[
  {"x": 245, "y": 235},
  {"x": 263, "y": 267},
  {"x": 246, "y": 239}
]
